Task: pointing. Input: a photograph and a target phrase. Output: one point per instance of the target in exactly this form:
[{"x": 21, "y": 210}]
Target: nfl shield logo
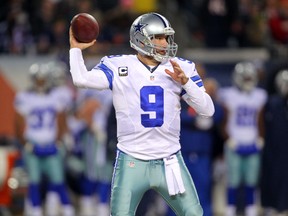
[{"x": 131, "y": 164}]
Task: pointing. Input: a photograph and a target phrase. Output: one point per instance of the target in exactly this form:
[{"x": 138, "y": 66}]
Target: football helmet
[
  {"x": 57, "y": 71},
  {"x": 245, "y": 76},
  {"x": 40, "y": 77},
  {"x": 281, "y": 82},
  {"x": 145, "y": 28}
]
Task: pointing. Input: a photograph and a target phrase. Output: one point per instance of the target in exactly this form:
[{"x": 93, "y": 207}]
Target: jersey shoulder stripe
[{"x": 107, "y": 71}]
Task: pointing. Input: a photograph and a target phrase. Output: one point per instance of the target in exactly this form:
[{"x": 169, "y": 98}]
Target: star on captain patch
[{"x": 123, "y": 71}]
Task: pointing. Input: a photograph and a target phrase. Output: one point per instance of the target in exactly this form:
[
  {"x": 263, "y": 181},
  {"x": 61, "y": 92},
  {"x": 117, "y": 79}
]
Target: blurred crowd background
[
  {"x": 215, "y": 34},
  {"x": 40, "y": 27}
]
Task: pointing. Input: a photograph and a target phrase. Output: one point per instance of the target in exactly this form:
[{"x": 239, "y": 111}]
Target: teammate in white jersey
[
  {"x": 147, "y": 88},
  {"x": 63, "y": 94},
  {"x": 40, "y": 124},
  {"x": 244, "y": 138}
]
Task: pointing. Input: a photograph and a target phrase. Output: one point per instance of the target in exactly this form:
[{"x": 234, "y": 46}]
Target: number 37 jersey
[
  {"x": 40, "y": 112},
  {"x": 147, "y": 104}
]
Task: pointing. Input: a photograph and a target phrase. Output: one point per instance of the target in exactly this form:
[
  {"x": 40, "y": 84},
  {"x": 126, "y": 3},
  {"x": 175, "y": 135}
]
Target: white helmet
[
  {"x": 281, "y": 82},
  {"x": 145, "y": 28},
  {"x": 245, "y": 76}
]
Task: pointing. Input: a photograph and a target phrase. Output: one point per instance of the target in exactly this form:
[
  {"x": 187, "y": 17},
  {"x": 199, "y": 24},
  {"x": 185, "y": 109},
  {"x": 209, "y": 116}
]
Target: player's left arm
[
  {"x": 260, "y": 120},
  {"x": 20, "y": 125},
  {"x": 261, "y": 129},
  {"x": 62, "y": 125},
  {"x": 194, "y": 95}
]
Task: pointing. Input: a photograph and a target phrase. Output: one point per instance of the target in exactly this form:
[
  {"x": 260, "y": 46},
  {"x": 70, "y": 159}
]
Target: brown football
[{"x": 85, "y": 27}]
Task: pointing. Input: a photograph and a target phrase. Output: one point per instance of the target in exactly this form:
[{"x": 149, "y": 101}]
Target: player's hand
[
  {"x": 75, "y": 44},
  {"x": 177, "y": 74},
  {"x": 260, "y": 143},
  {"x": 231, "y": 143}
]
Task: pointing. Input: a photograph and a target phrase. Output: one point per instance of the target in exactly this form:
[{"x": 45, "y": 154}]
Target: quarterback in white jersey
[{"x": 147, "y": 89}]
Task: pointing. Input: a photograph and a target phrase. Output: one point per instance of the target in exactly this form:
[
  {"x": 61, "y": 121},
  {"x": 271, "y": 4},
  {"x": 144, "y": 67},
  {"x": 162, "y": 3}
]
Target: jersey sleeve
[
  {"x": 190, "y": 70},
  {"x": 96, "y": 78},
  {"x": 107, "y": 66},
  {"x": 194, "y": 92}
]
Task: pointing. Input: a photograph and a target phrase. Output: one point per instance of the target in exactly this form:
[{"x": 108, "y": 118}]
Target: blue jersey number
[
  {"x": 246, "y": 116},
  {"x": 152, "y": 100},
  {"x": 41, "y": 118}
]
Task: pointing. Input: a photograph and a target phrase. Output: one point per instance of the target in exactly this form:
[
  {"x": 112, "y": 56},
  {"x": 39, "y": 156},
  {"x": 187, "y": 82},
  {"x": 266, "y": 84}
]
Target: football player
[
  {"x": 63, "y": 93},
  {"x": 89, "y": 127},
  {"x": 243, "y": 103},
  {"x": 147, "y": 88},
  {"x": 40, "y": 124},
  {"x": 274, "y": 188}
]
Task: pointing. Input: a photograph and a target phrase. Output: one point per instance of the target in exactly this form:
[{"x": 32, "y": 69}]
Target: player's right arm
[{"x": 80, "y": 75}]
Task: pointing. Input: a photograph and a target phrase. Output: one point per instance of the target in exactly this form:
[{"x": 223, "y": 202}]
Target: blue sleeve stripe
[
  {"x": 108, "y": 72},
  {"x": 200, "y": 84},
  {"x": 197, "y": 79}
]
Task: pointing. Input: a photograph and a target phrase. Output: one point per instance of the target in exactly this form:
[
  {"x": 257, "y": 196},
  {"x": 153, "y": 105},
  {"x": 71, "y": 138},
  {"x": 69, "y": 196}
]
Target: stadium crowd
[{"x": 40, "y": 27}]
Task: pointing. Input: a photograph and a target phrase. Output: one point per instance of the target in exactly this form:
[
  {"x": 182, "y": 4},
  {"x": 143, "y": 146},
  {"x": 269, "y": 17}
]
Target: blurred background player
[
  {"x": 64, "y": 94},
  {"x": 61, "y": 87},
  {"x": 98, "y": 168},
  {"x": 40, "y": 124},
  {"x": 79, "y": 121},
  {"x": 89, "y": 128},
  {"x": 243, "y": 104},
  {"x": 274, "y": 188}
]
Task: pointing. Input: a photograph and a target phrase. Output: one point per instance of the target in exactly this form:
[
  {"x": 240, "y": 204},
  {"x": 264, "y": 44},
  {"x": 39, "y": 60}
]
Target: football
[{"x": 85, "y": 27}]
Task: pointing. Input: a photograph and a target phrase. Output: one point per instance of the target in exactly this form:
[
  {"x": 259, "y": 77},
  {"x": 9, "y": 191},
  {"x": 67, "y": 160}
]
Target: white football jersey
[
  {"x": 147, "y": 104},
  {"x": 64, "y": 95},
  {"x": 243, "y": 111},
  {"x": 39, "y": 111}
]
